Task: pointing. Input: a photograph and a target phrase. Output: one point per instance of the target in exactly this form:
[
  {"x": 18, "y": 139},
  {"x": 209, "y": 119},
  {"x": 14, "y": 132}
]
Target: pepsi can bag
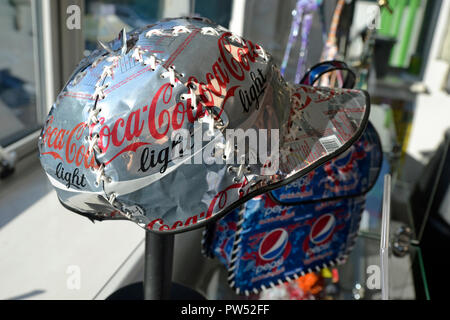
[{"x": 302, "y": 227}]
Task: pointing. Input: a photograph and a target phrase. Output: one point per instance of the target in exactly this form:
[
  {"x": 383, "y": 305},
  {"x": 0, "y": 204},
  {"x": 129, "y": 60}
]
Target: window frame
[{"x": 57, "y": 50}]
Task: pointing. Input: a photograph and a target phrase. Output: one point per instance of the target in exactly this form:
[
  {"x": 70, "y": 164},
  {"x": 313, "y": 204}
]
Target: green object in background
[
  {"x": 389, "y": 118},
  {"x": 400, "y": 27},
  {"x": 413, "y": 7},
  {"x": 399, "y": 10},
  {"x": 386, "y": 20}
]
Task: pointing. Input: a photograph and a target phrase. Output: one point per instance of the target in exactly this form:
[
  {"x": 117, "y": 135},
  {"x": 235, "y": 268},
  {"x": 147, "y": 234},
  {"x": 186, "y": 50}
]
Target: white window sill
[{"x": 41, "y": 240}]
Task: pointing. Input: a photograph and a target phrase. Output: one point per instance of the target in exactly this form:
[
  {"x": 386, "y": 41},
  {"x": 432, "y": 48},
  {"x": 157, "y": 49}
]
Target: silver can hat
[{"x": 177, "y": 123}]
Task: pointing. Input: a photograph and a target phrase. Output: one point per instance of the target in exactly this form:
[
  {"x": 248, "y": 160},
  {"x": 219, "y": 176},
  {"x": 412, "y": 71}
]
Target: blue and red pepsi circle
[
  {"x": 323, "y": 229},
  {"x": 273, "y": 244}
]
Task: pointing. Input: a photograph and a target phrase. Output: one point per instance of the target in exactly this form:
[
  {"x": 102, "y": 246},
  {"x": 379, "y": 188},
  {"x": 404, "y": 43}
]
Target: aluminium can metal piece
[{"x": 110, "y": 145}]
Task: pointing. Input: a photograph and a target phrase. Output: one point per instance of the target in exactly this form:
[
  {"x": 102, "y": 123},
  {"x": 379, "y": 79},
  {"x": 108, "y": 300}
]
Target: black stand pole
[
  {"x": 158, "y": 266},
  {"x": 157, "y": 285}
]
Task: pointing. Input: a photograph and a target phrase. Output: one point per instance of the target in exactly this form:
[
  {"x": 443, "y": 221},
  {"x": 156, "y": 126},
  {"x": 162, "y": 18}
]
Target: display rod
[
  {"x": 384, "y": 243},
  {"x": 158, "y": 265}
]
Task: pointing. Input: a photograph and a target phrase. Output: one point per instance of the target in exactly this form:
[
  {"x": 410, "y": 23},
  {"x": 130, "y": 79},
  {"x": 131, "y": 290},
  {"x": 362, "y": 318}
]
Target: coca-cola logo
[
  {"x": 233, "y": 62},
  {"x": 67, "y": 145}
]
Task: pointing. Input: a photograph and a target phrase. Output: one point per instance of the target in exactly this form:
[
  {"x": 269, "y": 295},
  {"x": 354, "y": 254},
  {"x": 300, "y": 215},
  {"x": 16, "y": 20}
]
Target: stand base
[{"x": 135, "y": 291}]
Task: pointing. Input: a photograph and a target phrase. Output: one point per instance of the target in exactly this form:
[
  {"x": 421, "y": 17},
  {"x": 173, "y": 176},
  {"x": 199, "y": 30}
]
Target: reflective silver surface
[{"x": 113, "y": 124}]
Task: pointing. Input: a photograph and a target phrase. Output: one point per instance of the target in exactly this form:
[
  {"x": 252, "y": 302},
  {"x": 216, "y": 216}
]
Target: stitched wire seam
[{"x": 171, "y": 74}]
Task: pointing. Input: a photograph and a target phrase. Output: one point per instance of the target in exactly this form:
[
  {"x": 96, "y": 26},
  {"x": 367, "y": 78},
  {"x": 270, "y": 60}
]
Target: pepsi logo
[
  {"x": 273, "y": 244},
  {"x": 322, "y": 229}
]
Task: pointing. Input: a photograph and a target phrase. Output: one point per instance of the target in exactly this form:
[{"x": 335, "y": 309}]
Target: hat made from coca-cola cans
[{"x": 157, "y": 127}]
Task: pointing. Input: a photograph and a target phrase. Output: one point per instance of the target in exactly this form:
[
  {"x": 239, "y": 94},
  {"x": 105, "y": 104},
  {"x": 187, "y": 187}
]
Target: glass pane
[
  {"x": 104, "y": 19},
  {"x": 18, "y": 113}
]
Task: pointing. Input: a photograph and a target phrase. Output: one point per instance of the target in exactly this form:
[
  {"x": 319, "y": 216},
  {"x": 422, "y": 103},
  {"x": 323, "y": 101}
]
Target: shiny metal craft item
[{"x": 112, "y": 142}]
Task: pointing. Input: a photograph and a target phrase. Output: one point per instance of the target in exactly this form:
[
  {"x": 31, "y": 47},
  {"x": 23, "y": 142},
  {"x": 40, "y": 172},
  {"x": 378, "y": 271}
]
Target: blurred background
[{"x": 42, "y": 245}]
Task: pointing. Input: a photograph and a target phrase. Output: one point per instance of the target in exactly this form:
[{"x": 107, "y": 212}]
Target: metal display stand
[
  {"x": 384, "y": 241},
  {"x": 158, "y": 261},
  {"x": 157, "y": 284}
]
